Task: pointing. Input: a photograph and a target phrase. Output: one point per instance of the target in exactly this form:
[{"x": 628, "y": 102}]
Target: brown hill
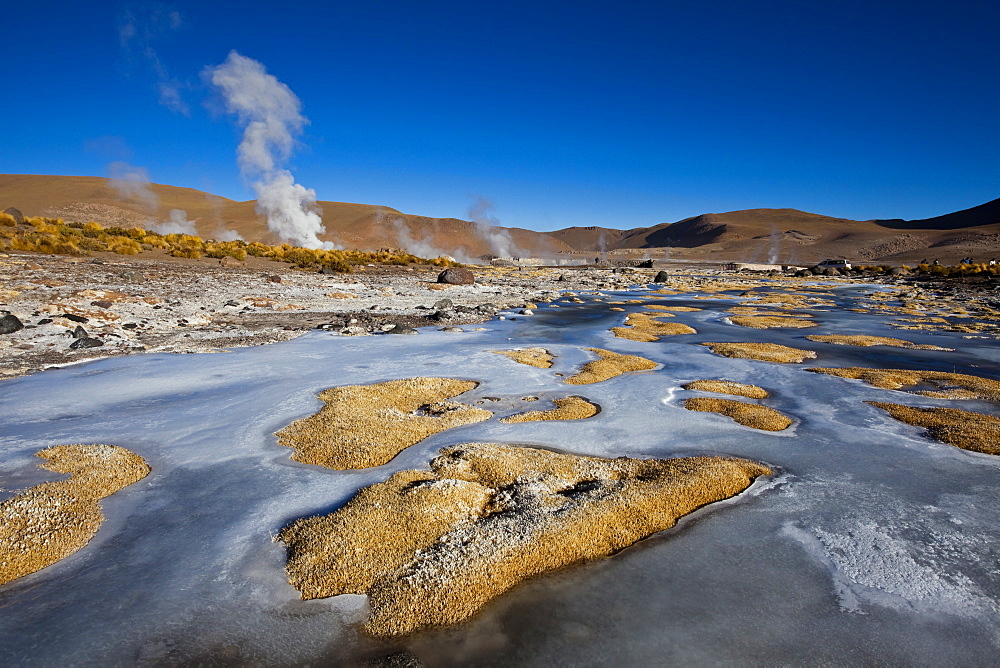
[
  {"x": 361, "y": 226},
  {"x": 785, "y": 236}
]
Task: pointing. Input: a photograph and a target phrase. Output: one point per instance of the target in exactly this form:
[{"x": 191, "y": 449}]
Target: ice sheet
[{"x": 871, "y": 544}]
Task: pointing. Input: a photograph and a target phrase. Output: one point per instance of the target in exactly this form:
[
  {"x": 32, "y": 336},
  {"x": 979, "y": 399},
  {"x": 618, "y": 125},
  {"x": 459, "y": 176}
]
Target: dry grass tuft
[
  {"x": 748, "y": 415},
  {"x": 610, "y": 365},
  {"x": 645, "y": 327},
  {"x": 431, "y": 548},
  {"x": 367, "y": 425},
  {"x": 864, "y": 340},
  {"x": 728, "y": 387},
  {"x": 675, "y": 309},
  {"x": 51, "y": 521},
  {"x": 950, "y": 385},
  {"x": 770, "y": 321},
  {"x": 539, "y": 357},
  {"x": 967, "y": 430},
  {"x": 766, "y": 352},
  {"x": 567, "y": 408}
]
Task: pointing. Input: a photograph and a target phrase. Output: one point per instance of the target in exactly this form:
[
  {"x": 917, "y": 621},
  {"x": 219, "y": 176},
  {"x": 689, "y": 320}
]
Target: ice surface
[{"x": 872, "y": 544}]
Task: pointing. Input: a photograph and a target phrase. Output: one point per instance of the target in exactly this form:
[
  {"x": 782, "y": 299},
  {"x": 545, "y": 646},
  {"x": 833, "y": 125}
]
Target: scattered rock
[
  {"x": 80, "y": 333},
  {"x": 526, "y": 311},
  {"x": 32, "y": 266},
  {"x": 443, "y": 315},
  {"x": 75, "y": 318},
  {"x": 228, "y": 261},
  {"x": 402, "y": 329},
  {"x": 450, "y": 329},
  {"x": 10, "y": 324},
  {"x": 274, "y": 278},
  {"x": 456, "y": 276},
  {"x": 102, "y": 303},
  {"x": 86, "y": 343},
  {"x": 443, "y": 304}
]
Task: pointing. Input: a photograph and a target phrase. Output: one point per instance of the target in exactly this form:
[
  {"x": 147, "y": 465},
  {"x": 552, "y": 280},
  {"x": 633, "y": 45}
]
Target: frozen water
[{"x": 872, "y": 544}]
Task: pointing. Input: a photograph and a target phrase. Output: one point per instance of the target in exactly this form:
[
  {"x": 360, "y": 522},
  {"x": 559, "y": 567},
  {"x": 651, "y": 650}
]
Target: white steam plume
[
  {"x": 178, "y": 224},
  {"x": 132, "y": 182},
  {"x": 419, "y": 247},
  {"x": 271, "y": 117},
  {"x": 487, "y": 225}
]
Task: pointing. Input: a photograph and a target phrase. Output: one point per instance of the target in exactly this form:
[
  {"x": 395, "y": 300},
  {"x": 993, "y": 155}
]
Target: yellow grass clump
[
  {"x": 645, "y": 327},
  {"x": 967, "y": 430},
  {"x": 675, "y": 309},
  {"x": 609, "y": 365},
  {"x": 51, "y": 521},
  {"x": 748, "y": 415},
  {"x": 865, "y": 340},
  {"x": 950, "y": 385},
  {"x": 567, "y": 408},
  {"x": 431, "y": 548},
  {"x": 728, "y": 387},
  {"x": 770, "y": 321},
  {"x": 766, "y": 352},
  {"x": 367, "y": 425},
  {"x": 538, "y": 357}
]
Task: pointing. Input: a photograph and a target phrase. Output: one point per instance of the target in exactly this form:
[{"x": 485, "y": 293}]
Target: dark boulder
[
  {"x": 443, "y": 304},
  {"x": 75, "y": 318},
  {"x": 15, "y": 214},
  {"x": 661, "y": 277},
  {"x": 456, "y": 276},
  {"x": 86, "y": 343},
  {"x": 80, "y": 333},
  {"x": 10, "y": 324}
]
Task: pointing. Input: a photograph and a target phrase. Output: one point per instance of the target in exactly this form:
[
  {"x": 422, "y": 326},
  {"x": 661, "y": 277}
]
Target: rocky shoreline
[{"x": 67, "y": 310}]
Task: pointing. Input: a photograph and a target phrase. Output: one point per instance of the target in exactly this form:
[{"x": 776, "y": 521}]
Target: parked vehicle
[{"x": 835, "y": 264}]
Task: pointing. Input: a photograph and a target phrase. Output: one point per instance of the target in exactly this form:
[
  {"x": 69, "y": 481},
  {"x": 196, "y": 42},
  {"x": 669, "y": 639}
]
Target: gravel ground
[{"x": 117, "y": 305}]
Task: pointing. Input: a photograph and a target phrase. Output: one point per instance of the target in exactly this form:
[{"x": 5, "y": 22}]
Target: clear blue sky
[{"x": 620, "y": 114}]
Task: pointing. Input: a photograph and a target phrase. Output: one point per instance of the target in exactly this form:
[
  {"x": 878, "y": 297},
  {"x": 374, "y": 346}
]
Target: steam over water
[{"x": 871, "y": 544}]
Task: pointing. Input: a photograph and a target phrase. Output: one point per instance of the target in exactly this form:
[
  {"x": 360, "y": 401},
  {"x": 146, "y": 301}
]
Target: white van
[{"x": 835, "y": 264}]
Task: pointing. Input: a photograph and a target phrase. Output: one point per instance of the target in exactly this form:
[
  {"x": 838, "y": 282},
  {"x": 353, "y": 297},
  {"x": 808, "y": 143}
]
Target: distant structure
[{"x": 743, "y": 266}]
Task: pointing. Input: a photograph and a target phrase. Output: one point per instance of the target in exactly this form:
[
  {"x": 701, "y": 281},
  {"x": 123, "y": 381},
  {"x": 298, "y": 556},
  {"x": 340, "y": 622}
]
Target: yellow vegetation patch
[
  {"x": 49, "y": 522},
  {"x": 675, "y": 309},
  {"x": 864, "y": 340},
  {"x": 340, "y": 295},
  {"x": 431, "y": 548},
  {"x": 748, "y": 415},
  {"x": 539, "y": 357},
  {"x": 613, "y": 308},
  {"x": 967, "y": 430},
  {"x": 728, "y": 387},
  {"x": 567, "y": 408},
  {"x": 610, "y": 365},
  {"x": 368, "y": 425},
  {"x": 950, "y": 385},
  {"x": 766, "y": 352},
  {"x": 645, "y": 327},
  {"x": 768, "y": 322}
]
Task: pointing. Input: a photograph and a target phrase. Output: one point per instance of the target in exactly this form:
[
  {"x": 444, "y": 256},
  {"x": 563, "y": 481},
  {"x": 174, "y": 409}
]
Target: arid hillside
[
  {"x": 785, "y": 236},
  {"x": 357, "y": 226}
]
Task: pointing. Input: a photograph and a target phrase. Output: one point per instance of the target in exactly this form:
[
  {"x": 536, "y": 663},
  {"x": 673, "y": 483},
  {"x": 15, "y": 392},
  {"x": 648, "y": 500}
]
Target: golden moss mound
[
  {"x": 431, "y": 548},
  {"x": 864, "y": 340},
  {"x": 748, "y": 415},
  {"x": 49, "y": 522},
  {"x": 770, "y": 322},
  {"x": 766, "y": 352},
  {"x": 967, "y": 430},
  {"x": 728, "y": 387},
  {"x": 610, "y": 365},
  {"x": 675, "y": 309},
  {"x": 567, "y": 408},
  {"x": 950, "y": 385},
  {"x": 645, "y": 327},
  {"x": 539, "y": 357},
  {"x": 368, "y": 425}
]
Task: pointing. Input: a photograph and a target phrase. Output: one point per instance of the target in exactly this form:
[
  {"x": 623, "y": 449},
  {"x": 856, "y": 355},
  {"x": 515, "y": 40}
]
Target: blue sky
[{"x": 620, "y": 114}]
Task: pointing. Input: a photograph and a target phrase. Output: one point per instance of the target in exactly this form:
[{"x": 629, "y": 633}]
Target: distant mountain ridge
[{"x": 750, "y": 235}]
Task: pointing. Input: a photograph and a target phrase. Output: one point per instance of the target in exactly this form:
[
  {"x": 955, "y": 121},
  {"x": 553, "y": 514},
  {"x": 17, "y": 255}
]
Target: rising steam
[
  {"x": 488, "y": 227},
  {"x": 271, "y": 117},
  {"x": 132, "y": 183},
  {"x": 178, "y": 224}
]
